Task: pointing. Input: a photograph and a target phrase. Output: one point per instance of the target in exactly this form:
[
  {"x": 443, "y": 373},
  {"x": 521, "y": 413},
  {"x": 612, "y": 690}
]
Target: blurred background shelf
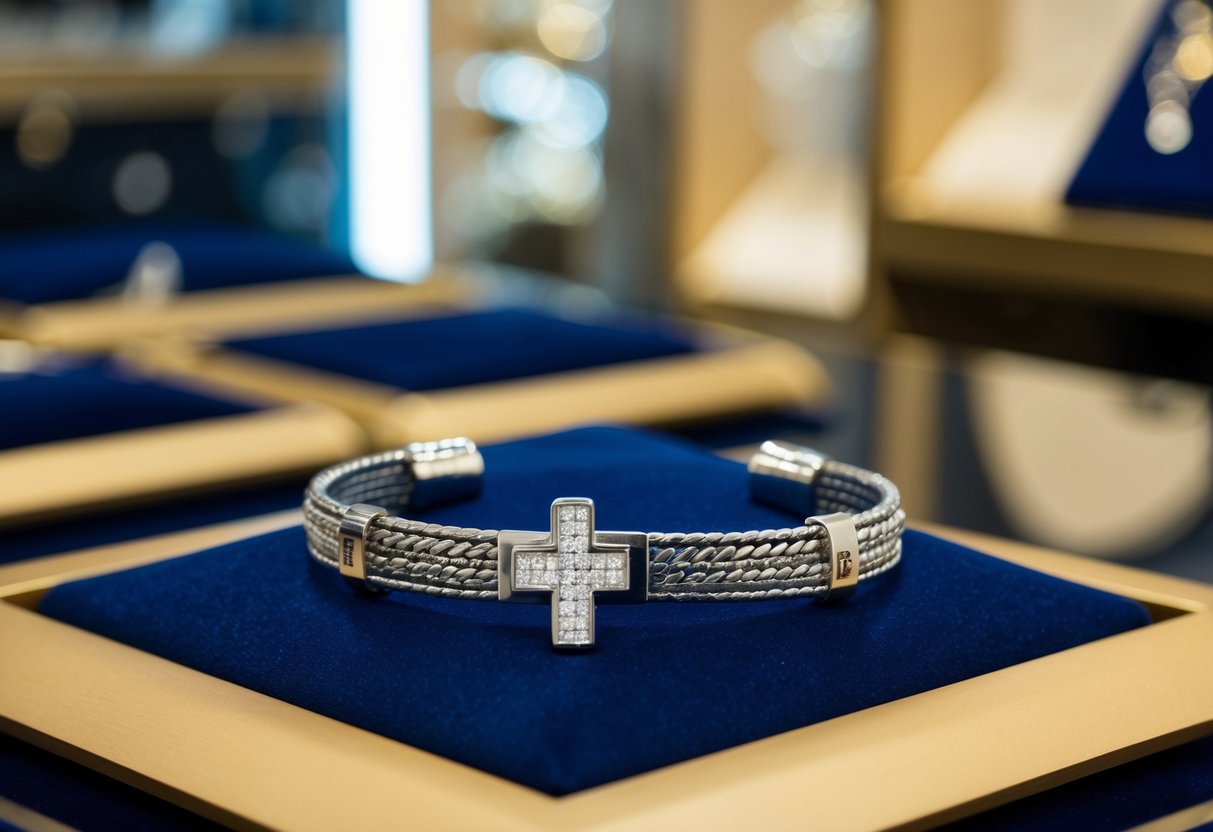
[
  {"x": 292, "y": 74},
  {"x": 985, "y": 112},
  {"x": 770, "y": 183}
]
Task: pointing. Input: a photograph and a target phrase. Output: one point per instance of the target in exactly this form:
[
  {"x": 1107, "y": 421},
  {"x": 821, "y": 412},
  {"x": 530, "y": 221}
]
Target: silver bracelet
[{"x": 856, "y": 535}]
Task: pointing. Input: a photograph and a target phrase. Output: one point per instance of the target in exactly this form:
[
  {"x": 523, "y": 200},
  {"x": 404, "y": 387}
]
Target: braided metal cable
[{"x": 461, "y": 562}]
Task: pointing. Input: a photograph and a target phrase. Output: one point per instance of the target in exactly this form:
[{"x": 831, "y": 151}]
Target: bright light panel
[{"x": 391, "y": 227}]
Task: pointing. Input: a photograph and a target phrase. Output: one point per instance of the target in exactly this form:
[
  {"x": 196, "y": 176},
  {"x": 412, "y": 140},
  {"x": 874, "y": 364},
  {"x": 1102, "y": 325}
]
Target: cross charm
[{"x": 573, "y": 565}]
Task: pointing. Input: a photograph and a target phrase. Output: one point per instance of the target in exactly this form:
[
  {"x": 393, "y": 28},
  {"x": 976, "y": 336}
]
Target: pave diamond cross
[{"x": 573, "y": 563}]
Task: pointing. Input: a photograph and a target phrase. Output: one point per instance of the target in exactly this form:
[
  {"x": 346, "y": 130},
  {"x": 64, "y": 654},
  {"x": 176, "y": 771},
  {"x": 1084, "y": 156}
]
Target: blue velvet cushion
[
  {"x": 93, "y": 398},
  {"x": 478, "y": 683},
  {"x": 42, "y": 266},
  {"x": 452, "y": 351},
  {"x": 1123, "y": 170},
  {"x": 173, "y": 514}
]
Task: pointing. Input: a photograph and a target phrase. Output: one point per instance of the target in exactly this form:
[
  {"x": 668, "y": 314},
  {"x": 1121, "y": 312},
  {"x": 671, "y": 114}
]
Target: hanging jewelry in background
[{"x": 1182, "y": 61}]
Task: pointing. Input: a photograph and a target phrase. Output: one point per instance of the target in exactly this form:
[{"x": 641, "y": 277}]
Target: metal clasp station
[
  {"x": 784, "y": 475},
  {"x": 444, "y": 471},
  {"x": 351, "y": 544},
  {"x": 573, "y": 566},
  {"x": 842, "y": 541}
]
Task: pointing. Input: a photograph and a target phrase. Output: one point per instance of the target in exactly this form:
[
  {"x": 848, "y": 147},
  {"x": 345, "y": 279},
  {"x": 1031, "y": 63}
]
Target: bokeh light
[
  {"x": 1194, "y": 58},
  {"x": 572, "y": 31},
  {"x": 1179, "y": 65},
  {"x": 1168, "y": 127},
  {"x": 521, "y": 88},
  {"x": 142, "y": 183},
  {"x": 45, "y": 130},
  {"x": 544, "y": 165},
  {"x": 241, "y": 124},
  {"x": 300, "y": 191}
]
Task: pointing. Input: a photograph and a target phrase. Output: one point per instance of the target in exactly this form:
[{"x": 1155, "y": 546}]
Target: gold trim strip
[
  {"x": 133, "y": 465},
  {"x": 100, "y": 323},
  {"x": 1180, "y": 821},
  {"x": 22, "y": 817}
]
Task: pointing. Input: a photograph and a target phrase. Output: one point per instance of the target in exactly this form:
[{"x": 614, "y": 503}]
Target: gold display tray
[
  {"x": 134, "y": 466},
  {"x": 250, "y": 761},
  {"x": 739, "y": 373},
  {"x": 102, "y": 323}
]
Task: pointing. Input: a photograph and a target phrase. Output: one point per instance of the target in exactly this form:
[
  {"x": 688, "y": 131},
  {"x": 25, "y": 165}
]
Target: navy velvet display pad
[
  {"x": 478, "y": 682},
  {"x": 752, "y": 430},
  {"x": 40, "y": 267},
  {"x": 81, "y": 798},
  {"x": 434, "y": 353},
  {"x": 93, "y": 398},
  {"x": 171, "y": 515},
  {"x": 1119, "y": 798},
  {"x": 1123, "y": 170}
]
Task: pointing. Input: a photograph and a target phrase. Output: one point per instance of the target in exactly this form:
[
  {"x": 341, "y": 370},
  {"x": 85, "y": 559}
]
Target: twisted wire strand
[{"x": 455, "y": 561}]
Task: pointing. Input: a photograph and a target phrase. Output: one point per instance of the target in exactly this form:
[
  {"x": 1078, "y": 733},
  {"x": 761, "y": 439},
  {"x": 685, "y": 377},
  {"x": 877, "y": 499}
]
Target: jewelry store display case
[
  {"x": 985, "y": 112},
  {"x": 248, "y": 759},
  {"x": 251, "y": 572}
]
